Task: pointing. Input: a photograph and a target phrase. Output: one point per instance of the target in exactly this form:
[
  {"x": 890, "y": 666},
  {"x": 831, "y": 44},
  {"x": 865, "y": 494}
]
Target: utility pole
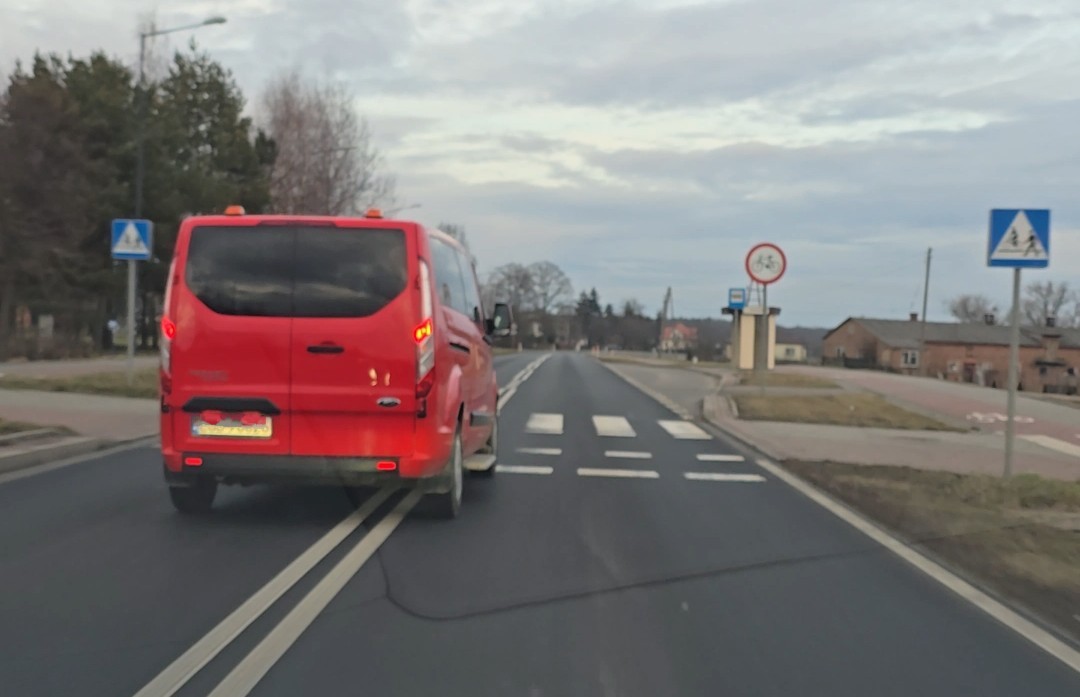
[{"x": 925, "y": 299}]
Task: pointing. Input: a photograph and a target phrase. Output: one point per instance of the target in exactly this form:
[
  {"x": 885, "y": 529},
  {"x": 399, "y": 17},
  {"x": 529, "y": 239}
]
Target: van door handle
[{"x": 326, "y": 348}]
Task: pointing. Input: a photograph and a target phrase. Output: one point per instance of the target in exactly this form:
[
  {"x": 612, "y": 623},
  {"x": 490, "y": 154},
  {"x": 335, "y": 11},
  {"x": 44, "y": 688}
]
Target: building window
[
  {"x": 789, "y": 352},
  {"x": 910, "y": 359},
  {"x": 839, "y": 351}
]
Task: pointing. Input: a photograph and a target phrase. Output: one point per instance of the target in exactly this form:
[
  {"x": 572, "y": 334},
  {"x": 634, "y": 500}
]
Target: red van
[{"x": 324, "y": 350}]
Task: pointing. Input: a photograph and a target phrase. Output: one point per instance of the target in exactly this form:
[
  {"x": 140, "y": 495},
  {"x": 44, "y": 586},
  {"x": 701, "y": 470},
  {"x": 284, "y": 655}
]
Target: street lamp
[
  {"x": 140, "y": 137},
  {"x": 140, "y": 168}
]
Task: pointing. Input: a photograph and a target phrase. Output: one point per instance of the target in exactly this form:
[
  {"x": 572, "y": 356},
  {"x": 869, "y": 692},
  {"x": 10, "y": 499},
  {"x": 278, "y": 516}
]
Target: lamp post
[{"x": 140, "y": 167}]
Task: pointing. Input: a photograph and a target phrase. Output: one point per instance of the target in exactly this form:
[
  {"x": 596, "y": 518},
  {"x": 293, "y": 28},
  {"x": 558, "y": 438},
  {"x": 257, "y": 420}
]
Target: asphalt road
[{"x": 558, "y": 579}]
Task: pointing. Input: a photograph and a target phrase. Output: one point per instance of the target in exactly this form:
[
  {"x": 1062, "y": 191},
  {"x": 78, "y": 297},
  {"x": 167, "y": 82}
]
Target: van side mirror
[{"x": 501, "y": 320}]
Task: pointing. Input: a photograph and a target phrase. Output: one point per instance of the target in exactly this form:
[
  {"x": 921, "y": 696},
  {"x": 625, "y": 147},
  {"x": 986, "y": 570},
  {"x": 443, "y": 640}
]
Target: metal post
[
  {"x": 922, "y": 329},
  {"x": 140, "y": 165},
  {"x": 1014, "y": 360},
  {"x": 131, "y": 322}
]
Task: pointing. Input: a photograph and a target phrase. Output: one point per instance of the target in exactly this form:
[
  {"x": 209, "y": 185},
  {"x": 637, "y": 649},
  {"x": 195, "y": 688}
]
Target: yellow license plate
[{"x": 232, "y": 428}]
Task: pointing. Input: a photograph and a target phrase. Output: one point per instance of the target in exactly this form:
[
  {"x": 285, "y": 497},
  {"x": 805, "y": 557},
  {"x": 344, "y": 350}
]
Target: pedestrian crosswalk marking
[
  {"x": 547, "y": 424},
  {"x": 716, "y": 457},
  {"x": 613, "y": 426},
  {"x": 684, "y": 430}
]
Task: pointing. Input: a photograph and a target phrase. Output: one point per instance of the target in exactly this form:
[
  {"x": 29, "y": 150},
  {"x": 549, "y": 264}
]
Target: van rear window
[{"x": 296, "y": 271}]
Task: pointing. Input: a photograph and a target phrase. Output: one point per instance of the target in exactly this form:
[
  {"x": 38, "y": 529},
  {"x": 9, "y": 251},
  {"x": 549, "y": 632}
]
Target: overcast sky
[{"x": 641, "y": 144}]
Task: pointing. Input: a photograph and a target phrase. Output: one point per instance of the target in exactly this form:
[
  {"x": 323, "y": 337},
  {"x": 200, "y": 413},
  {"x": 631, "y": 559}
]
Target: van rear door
[
  {"x": 353, "y": 355},
  {"x": 231, "y": 301}
]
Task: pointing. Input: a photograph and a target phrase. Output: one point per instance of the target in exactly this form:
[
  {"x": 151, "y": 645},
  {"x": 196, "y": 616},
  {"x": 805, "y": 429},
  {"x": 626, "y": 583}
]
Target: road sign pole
[
  {"x": 761, "y": 334},
  {"x": 131, "y": 321},
  {"x": 1014, "y": 360}
]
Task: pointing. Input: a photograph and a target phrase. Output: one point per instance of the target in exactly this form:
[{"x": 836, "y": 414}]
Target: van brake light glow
[{"x": 422, "y": 331}]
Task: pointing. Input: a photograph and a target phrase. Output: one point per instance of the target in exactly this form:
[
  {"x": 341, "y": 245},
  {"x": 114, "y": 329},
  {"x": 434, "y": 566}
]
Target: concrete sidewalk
[
  {"x": 105, "y": 418},
  {"x": 974, "y": 452}
]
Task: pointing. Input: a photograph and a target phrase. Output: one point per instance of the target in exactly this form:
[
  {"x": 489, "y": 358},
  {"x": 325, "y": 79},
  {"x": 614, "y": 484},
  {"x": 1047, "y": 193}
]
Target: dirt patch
[
  {"x": 844, "y": 409},
  {"x": 784, "y": 380},
  {"x": 144, "y": 384},
  {"x": 1019, "y": 537}
]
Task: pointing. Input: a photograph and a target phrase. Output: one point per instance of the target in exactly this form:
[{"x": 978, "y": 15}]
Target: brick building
[
  {"x": 678, "y": 337},
  {"x": 975, "y": 353}
]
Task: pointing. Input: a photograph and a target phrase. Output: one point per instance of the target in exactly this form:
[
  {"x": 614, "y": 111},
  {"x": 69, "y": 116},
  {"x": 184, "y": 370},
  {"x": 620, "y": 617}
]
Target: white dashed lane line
[
  {"x": 628, "y": 454},
  {"x": 628, "y": 474},
  {"x": 540, "y": 451},
  {"x": 716, "y": 457},
  {"x": 523, "y": 469},
  {"x": 722, "y": 477}
]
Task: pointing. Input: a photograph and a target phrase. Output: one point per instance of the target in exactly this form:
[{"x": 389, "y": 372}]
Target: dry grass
[
  {"x": 844, "y": 409},
  {"x": 7, "y": 427},
  {"x": 1018, "y": 536},
  {"x": 144, "y": 384},
  {"x": 772, "y": 379}
]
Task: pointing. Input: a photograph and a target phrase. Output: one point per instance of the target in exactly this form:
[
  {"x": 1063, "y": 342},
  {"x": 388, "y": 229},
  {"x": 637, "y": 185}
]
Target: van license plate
[{"x": 230, "y": 427}]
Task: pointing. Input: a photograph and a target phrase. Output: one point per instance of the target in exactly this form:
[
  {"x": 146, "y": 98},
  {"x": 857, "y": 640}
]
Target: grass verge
[
  {"x": 846, "y": 409},
  {"x": 8, "y": 427},
  {"x": 144, "y": 384},
  {"x": 772, "y": 379},
  {"x": 1020, "y": 537}
]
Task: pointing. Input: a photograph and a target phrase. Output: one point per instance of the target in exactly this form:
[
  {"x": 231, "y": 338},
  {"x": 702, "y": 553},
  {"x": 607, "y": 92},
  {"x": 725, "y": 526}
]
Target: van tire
[
  {"x": 447, "y": 504},
  {"x": 490, "y": 448},
  {"x": 195, "y": 499}
]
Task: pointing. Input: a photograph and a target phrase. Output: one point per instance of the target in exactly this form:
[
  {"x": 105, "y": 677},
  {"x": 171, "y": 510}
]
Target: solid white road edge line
[
  {"x": 76, "y": 459},
  {"x": 723, "y": 477},
  {"x": 203, "y": 651},
  {"x": 631, "y": 474},
  {"x": 540, "y": 451},
  {"x": 628, "y": 454},
  {"x": 524, "y": 469},
  {"x": 999, "y": 611},
  {"x": 247, "y": 674},
  {"x": 510, "y": 389}
]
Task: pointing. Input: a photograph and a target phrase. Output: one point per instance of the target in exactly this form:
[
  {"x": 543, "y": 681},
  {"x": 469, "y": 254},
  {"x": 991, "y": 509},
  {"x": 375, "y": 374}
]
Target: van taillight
[
  {"x": 424, "y": 335},
  {"x": 168, "y": 333}
]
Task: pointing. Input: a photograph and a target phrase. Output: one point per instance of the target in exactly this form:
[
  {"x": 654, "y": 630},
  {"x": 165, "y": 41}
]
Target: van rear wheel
[
  {"x": 195, "y": 499},
  {"x": 448, "y": 504}
]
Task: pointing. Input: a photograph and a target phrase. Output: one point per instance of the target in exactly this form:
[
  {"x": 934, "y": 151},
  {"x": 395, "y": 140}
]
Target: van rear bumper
[{"x": 261, "y": 469}]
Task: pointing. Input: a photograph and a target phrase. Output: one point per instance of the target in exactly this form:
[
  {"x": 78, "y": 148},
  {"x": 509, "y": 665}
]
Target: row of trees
[
  {"x": 547, "y": 311},
  {"x": 68, "y": 130},
  {"x": 1040, "y": 301}
]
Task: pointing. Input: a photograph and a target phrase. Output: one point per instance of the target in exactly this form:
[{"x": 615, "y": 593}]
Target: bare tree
[
  {"x": 326, "y": 162},
  {"x": 971, "y": 309},
  {"x": 550, "y": 285},
  {"x": 1044, "y": 300},
  {"x": 513, "y": 283}
]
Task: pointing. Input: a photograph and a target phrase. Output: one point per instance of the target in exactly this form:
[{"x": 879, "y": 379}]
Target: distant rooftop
[{"x": 905, "y": 333}]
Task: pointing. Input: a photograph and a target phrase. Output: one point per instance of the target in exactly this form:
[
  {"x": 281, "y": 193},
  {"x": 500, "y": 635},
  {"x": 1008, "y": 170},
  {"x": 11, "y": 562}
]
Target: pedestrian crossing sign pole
[
  {"x": 132, "y": 240},
  {"x": 1019, "y": 239}
]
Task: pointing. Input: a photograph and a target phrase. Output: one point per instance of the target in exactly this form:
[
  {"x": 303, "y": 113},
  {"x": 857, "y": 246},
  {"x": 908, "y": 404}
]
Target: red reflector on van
[
  {"x": 193, "y": 461},
  {"x": 422, "y": 331},
  {"x": 212, "y": 417},
  {"x": 386, "y": 466},
  {"x": 168, "y": 328}
]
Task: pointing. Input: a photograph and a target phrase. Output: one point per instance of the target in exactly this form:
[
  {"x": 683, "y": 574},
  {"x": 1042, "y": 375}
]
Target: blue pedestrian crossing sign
[
  {"x": 1019, "y": 238},
  {"x": 132, "y": 239}
]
